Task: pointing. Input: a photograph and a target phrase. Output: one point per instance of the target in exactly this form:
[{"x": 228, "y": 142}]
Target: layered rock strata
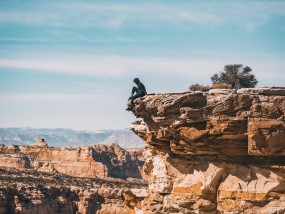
[
  {"x": 216, "y": 152},
  {"x": 29, "y": 192},
  {"x": 89, "y": 161}
]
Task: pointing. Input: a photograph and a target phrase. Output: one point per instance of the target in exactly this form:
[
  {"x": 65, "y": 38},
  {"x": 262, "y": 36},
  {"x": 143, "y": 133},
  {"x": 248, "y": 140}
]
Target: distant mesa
[
  {"x": 40, "y": 143},
  {"x": 69, "y": 138}
]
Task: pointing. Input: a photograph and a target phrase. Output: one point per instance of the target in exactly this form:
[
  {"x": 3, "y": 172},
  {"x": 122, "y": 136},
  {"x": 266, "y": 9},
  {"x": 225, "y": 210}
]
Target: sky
[{"x": 71, "y": 64}]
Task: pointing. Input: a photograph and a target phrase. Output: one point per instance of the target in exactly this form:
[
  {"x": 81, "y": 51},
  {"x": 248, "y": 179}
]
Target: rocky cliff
[
  {"x": 29, "y": 192},
  {"x": 89, "y": 161},
  {"x": 216, "y": 152},
  {"x": 86, "y": 180}
]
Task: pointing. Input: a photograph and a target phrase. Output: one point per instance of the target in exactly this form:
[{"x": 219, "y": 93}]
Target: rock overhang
[
  {"x": 215, "y": 152},
  {"x": 225, "y": 122}
]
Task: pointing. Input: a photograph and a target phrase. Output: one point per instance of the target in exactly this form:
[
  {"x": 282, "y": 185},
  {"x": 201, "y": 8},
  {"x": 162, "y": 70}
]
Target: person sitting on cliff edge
[{"x": 139, "y": 91}]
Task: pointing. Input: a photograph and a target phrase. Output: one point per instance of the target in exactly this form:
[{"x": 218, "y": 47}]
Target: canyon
[
  {"x": 220, "y": 151},
  {"x": 84, "y": 180},
  {"x": 30, "y": 191},
  {"x": 87, "y": 161}
]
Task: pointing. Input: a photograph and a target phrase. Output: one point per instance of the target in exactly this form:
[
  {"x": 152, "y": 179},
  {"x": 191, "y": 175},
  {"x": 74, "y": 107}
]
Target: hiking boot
[{"x": 129, "y": 109}]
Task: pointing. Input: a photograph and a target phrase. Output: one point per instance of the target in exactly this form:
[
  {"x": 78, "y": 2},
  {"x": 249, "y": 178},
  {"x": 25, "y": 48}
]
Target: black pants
[{"x": 137, "y": 95}]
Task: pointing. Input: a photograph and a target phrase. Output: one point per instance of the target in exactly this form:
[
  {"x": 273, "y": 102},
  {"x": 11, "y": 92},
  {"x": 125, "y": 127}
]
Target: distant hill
[{"x": 70, "y": 138}]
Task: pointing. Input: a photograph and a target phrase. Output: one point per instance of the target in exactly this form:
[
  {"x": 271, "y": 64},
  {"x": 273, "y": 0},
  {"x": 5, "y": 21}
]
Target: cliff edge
[{"x": 217, "y": 152}]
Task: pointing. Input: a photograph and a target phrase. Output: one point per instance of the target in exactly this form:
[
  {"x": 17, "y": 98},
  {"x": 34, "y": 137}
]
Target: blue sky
[{"x": 70, "y": 64}]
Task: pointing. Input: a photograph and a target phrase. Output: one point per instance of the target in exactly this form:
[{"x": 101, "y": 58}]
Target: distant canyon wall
[
  {"x": 89, "y": 161},
  {"x": 69, "y": 138}
]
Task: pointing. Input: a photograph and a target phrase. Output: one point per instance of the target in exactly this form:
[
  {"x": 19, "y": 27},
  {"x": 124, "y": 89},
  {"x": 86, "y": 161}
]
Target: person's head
[{"x": 136, "y": 80}]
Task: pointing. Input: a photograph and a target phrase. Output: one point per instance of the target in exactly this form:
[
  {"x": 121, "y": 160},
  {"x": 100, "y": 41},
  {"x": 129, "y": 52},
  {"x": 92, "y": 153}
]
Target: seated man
[{"x": 139, "y": 92}]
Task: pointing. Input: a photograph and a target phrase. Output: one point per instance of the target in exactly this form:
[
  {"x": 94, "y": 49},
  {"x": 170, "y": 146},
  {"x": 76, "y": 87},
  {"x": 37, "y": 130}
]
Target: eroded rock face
[
  {"x": 29, "y": 192},
  {"x": 85, "y": 180},
  {"x": 216, "y": 152},
  {"x": 97, "y": 161}
]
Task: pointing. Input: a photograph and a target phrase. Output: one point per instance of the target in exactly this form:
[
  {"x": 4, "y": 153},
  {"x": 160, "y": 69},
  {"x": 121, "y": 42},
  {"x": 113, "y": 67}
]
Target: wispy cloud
[
  {"x": 115, "y": 39},
  {"x": 112, "y": 65},
  {"x": 14, "y": 39},
  {"x": 8, "y": 98},
  {"x": 266, "y": 70},
  {"x": 72, "y": 38},
  {"x": 114, "y": 15},
  {"x": 32, "y": 18}
]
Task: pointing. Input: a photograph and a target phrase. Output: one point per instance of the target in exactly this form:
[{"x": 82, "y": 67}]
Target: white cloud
[
  {"x": 14, "y": 39},
  {"x": 267, "y": 69},
  {"x": 118, "y": 39},
  {"x": 8, "y": 98},
  {"x": 112, "y": 65},
  {"x": 57, "y": 36},
  {"x": 113, "y": 15},
  {"x": 31, "y": 18}
]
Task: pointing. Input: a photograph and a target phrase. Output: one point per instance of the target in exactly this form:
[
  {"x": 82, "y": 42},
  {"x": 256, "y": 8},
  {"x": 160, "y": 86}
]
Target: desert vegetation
[{"x": 234, "y": 76}]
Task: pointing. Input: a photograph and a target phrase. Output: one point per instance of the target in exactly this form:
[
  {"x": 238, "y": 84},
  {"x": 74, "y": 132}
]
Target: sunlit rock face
[
  {"x": 89, "y": 161},
  {"x": 84, "y": 180},
  {"x": 217, "y": 152},
  {"x": 29, "y": 191}
]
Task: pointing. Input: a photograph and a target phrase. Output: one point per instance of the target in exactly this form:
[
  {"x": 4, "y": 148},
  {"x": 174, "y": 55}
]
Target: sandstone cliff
[
  {"x": 216, "y": 152},
  {"x": 29, "y": 192},
  {"x": 85, "y": 180},
  {"x": 89, "y": 161}
]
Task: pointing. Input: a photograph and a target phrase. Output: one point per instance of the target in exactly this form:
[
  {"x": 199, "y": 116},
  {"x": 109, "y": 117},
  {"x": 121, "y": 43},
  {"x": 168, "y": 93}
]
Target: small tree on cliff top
[{"x": 236, "y": 76}]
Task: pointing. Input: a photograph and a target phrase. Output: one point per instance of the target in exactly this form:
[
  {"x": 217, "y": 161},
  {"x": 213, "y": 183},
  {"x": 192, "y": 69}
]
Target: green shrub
[{"x": 236, "y": 76}]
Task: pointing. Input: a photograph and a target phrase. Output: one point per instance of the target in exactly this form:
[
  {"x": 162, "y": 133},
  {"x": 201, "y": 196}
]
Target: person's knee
[
  {"x": 134, "y": 89},
  {"x": 138, "y": 95}
]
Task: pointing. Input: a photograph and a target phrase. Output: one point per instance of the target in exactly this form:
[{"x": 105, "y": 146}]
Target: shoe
[{"x": 129, "y": 109}]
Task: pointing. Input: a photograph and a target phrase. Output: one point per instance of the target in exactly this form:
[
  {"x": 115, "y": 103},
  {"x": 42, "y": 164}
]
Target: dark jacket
[{"x": 141, "y": 88}]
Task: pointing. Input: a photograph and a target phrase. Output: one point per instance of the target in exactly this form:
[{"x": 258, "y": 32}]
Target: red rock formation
[
  {"x": 97, "y": 161},
  {"x": 216, "y": 152}
]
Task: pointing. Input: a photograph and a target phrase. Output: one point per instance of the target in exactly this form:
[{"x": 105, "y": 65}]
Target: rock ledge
[{"x": 216, "y": 152}]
